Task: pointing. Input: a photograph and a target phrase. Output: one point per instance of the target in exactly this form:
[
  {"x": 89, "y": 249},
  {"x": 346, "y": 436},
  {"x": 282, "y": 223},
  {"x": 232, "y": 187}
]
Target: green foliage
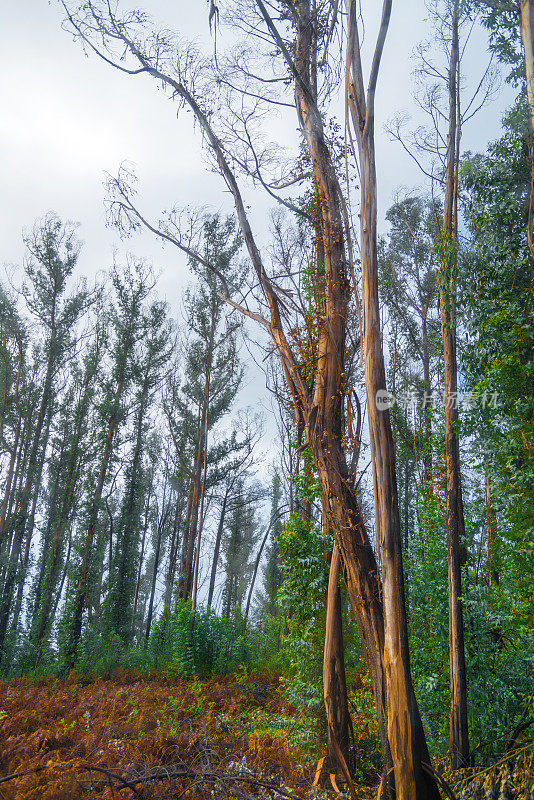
[
  {"x": 428, "y": 614},
  {"x": 499, "y": 355},
  {"x": 303, "y": 550},
  {"x": 499, "y": 653},
  {"x": 201, "y": 643},
  {"x": 186, "y": 642}
]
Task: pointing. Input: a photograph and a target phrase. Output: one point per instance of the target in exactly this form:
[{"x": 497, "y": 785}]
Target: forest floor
[{"x": 131, "y": 736}]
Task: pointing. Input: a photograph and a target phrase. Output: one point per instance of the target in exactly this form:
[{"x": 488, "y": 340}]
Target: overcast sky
[{"x": 67, "y": 118}]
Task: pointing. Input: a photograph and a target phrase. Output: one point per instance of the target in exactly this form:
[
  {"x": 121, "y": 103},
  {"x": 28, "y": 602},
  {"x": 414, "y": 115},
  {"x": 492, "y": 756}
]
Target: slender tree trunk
[
  {"x": 406, "y": 738},
  {"x": 18, "y": 483},
  {"x": 48, "y": 541},
  {"x": 187, "y": 578},
  {"x": 122, "y": 596},
  {"x": 188, "y": 548},
  {"x": 202, "y": 515},
  {"x": 334, "y": 679},
  {"x": 80, "y": 599},
  {"x": 61, "y": 522},
  {"x": 59, "y": 591},
  {"x": 272, "y": 521},
  {"x": 20, "y": 514},
  {"x": 217, "y": 547},
  {"x": 23, "y": 572},
  {"x": 427, "y": 410},
  {"x": 141, "y": 556},
  {"x": 171, "y": 569},
  {"x": 161, "y": 526},
  {"x": 446, "y": 276}
]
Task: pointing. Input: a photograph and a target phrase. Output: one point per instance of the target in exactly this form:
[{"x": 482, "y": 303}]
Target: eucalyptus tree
[
  {"x": 511, "y": 26},
  {"x": 444, "y": 99},
  {"x": 292, "y": 57},
  {"x": 14, "y": 356},
  {"x": 409, "y": 289},
  {"x": 52, "y": 254},
  {"x": 166, "y": 510},
  {"x": 132, "y": 286},
  {"x": 446, "y": 277},
  {"x": 67, "y": 475},
  {"x": 149, "y": 361},
  {"x": 498, "y": 313},
  {"x": 230, "y": 471},
  {"x": 212, "y": 377}
]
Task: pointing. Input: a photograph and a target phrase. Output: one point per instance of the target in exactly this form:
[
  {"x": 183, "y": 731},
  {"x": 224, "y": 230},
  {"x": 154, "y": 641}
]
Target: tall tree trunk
[
  {"x": 171, "y": 569},
  {"x": 20, "y": 515},
  {"x": 201, "y": 511},
  {"x": 59, "y": 591},
  {"x": 122, "y": 596},
  {"x": 334, "y": 679},
  {"x": 47, "y": 544},
  {"x": 427, "y": 409},
  {"x": 446, "y": 278},
  {"x": 21, "y": 468},
  {"x": 80, "y": 597},
  {"x": 274, "y": 518},
  {"x": 139, "y": 568},
  {"x": 407, "y": 743},
  {"x": 42, "y": 616},
  {"x": 23, "y": 572}
]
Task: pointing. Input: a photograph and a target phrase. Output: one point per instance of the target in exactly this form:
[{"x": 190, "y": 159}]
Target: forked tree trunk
[
  {"x": 446, "y": 279},
  {"x": 406, "y": 737}
]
